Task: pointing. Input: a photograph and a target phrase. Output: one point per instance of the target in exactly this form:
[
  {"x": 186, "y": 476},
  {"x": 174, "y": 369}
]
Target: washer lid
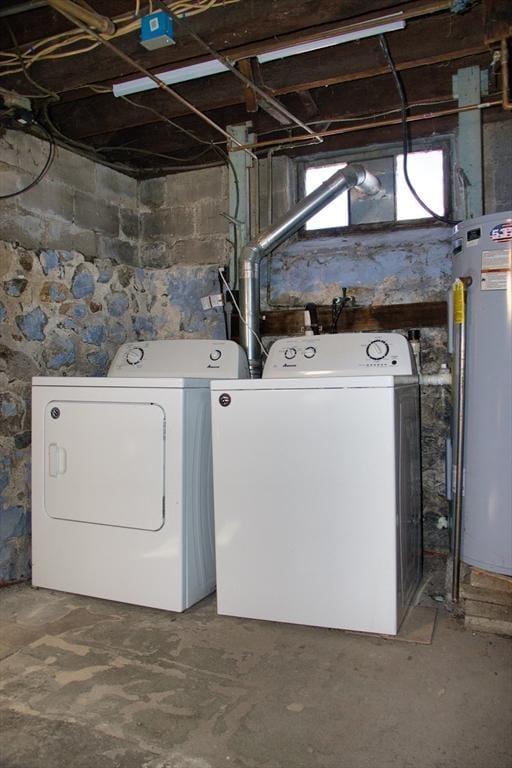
[{"x": 326, "y": 382}]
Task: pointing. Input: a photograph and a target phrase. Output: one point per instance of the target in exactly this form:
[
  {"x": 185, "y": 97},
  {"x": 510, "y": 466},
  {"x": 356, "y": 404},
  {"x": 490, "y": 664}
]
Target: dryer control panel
[
  {"x": 342, "y": 354},
  {"x": 183, "y": 358}
]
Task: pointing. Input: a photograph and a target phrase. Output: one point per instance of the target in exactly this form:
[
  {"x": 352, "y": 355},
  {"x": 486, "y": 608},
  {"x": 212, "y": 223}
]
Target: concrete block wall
[
  {"x": 181, "y": 219},
  {"x": 79, "y": 205}
]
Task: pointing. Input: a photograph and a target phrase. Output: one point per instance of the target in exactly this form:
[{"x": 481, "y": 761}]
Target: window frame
[{"x": 444, "y": 143}]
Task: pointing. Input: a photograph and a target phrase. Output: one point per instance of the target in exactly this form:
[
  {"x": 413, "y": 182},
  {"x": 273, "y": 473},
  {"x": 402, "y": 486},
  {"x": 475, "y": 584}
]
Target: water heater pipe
[
  {"x": 249, "y": 275},
  {"x": 443, "y": 378},
  {"x": 460, "y": 373}
]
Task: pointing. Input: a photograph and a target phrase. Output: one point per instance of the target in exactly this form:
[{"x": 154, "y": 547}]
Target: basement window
[{"x": 395, "y": 203}]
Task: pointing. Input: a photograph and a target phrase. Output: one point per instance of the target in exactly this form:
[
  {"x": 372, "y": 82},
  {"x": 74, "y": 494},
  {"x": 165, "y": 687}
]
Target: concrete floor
[{"x": 90, "y": 684}]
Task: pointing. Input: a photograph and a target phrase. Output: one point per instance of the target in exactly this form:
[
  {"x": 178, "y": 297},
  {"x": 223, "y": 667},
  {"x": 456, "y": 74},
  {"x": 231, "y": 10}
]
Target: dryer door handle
[{"x": 57, "y": 460}]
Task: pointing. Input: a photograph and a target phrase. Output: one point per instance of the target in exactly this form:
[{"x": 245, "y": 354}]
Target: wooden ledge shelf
[{"x": 384, "y": 317}]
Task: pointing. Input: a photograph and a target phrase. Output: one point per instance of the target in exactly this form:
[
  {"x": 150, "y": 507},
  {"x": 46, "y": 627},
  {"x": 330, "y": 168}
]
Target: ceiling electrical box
[{"x": 156, "y": 30}]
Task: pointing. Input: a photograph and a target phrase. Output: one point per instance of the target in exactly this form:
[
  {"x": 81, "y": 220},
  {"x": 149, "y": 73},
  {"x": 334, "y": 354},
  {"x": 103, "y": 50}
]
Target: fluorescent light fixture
[
  {"x": 328, "y": 42},
  {"x": 181, "y": 75},
  {"x": 214, "y": 67}
]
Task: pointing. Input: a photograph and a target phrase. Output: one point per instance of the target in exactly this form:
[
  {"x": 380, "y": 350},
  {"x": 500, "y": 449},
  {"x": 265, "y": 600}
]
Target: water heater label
[{"x": 496, "y": 269}]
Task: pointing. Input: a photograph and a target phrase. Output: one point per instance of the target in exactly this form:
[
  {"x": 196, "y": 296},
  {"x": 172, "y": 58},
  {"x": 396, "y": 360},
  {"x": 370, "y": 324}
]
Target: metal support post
[
  {"x": 467, "y": 88},
  {"x": 239, "y": 198}
]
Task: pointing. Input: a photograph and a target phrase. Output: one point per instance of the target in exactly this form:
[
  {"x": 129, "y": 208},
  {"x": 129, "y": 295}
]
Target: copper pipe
[
  {"x": 101, "y": 23},
  {"x": 365, "y": 126},
  {"x": 507, "y": 104}
]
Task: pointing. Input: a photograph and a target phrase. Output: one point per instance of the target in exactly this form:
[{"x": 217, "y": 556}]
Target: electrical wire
[
  {"x": 405, "y": 132},
  {"x": 239, "y": 311},
  {"x": 53, "y": 47},
  {"x": 96, "y": 153},
  {"x": 43, "y": 171},
  {"x": 44, "y": 92},
  {"x": 166, "y": 119}
]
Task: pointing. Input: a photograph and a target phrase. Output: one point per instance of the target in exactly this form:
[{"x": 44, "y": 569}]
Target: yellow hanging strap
[{"x": 458, "y": 302}]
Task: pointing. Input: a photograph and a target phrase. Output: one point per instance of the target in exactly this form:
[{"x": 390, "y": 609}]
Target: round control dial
[
  {"x": 290, "y": 353},
  {"x": 215, "y": 355},
  {"x": 377, "y": 349},
  {"x": 134, "y": 355},
  {"x": 309, "y": 352}
]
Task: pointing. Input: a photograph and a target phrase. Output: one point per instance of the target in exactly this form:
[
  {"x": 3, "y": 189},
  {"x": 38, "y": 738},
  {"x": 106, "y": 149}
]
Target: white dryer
[
  {"x": 317, "y": 484},
  {"x": 122, "y": 498}
]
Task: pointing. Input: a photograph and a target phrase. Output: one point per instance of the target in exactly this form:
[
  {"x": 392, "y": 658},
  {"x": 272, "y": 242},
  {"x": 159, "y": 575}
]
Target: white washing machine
[
  {"x": 317, "y": 484},
  {"x": 122, "y": 498}
]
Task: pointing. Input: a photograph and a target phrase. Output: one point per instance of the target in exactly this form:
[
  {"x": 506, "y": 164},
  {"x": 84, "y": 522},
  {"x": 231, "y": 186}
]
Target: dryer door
[{"x": 104, "y": 463}]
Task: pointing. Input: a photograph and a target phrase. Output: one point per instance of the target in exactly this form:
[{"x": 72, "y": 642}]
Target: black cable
[
  {"x": 405, "y": 132},
  {"x": 45, "y": 169}
]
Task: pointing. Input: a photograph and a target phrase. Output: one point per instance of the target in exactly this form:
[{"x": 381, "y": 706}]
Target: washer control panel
[
  {"x": 342, "y": 354},
  {"x": 192, "y": 358}
]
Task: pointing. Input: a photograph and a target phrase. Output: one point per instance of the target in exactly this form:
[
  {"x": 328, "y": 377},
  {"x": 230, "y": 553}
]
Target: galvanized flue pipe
[{"x": 249, "y": 275}]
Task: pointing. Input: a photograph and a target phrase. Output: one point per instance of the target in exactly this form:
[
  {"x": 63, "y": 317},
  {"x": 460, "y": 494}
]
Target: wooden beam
[
  {"x": 497, "y": 20},
  {"x": 251, "y": 102},
  {"x": 403, "y": 66},
  {"x": 387, "y": 317},
  {"x": 345, "y": 64},
  {"x": 308, "y": 103}
]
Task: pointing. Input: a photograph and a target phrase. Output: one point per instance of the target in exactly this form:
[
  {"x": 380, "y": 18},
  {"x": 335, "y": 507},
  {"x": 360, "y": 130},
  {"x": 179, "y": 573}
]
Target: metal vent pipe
[{"x": 348, "y": 177}]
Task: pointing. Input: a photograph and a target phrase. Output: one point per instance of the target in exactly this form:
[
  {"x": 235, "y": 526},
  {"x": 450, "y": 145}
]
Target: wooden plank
[
  {"x": 488, "y": 610},
  {"x": 386, "y": 317},
  {"x": 479, "y": 624},
  {"x": 494, "y": 596},
  {"x": 488, "y": 580}
]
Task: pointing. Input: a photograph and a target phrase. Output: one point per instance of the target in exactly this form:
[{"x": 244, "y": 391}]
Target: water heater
[{"x": 482, "y": 250}]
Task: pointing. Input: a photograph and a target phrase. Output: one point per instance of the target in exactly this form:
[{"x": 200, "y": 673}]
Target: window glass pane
[
  {"x": 336, "y": 213},
  {"x": 366, "y": 209},
  {"x": 426, "y": 175}
]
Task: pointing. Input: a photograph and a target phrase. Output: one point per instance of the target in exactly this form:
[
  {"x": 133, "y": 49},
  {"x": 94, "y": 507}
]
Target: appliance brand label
[{"x": 502, "y": 233}]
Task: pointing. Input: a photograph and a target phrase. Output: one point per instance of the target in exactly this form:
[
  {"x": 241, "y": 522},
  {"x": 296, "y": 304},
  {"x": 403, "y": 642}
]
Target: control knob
[
  {"x": 134, "y": 355},
  {"x": 309, "y": 352},
  {"x": 377, "y": 349},
  {"x": 290, "y": 353},
  {"x": 215, "y": 355}
]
